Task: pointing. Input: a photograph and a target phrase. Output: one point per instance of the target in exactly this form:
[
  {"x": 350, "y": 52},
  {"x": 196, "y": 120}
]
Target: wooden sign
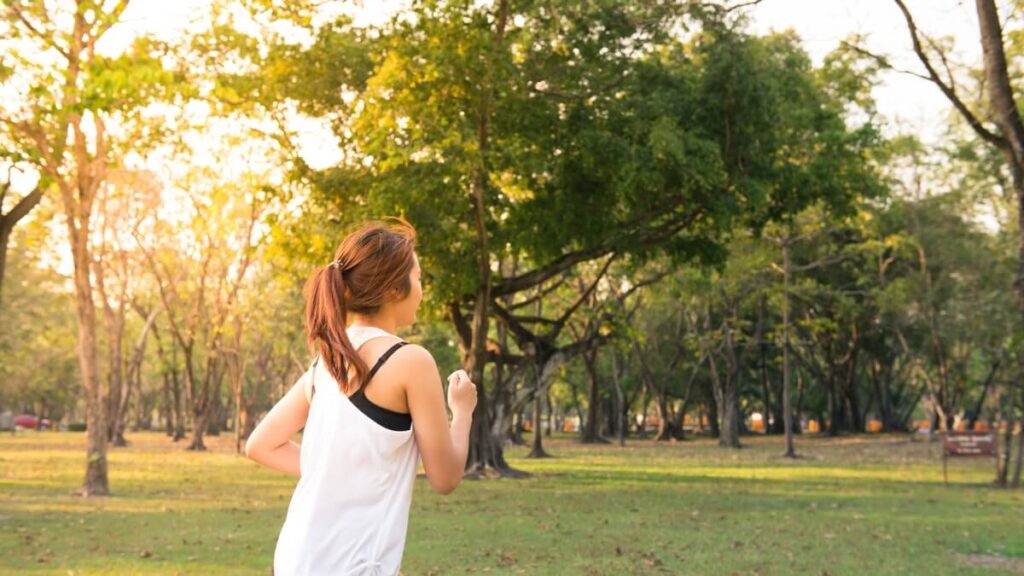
[{"x": 968, "y": 445}]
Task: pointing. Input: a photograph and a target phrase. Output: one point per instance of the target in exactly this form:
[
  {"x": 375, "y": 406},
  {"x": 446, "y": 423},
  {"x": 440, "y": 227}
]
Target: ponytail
[
  {"x": 371, "y": 267},
  {"x": 326, "y": 322}
]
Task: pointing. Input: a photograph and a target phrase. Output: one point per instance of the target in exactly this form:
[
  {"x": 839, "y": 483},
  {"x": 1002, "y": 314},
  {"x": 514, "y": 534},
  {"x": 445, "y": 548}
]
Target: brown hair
[{"x": 370, "y": 268}]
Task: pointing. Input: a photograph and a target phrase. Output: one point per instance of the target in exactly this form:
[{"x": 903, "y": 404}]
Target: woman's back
[
  {"x": 350, "y": 509},
  {"x": 358, "y": 458}
]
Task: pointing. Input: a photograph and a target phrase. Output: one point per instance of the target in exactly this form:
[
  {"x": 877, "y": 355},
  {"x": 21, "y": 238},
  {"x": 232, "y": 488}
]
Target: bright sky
[{"x": 910, "y": 103}]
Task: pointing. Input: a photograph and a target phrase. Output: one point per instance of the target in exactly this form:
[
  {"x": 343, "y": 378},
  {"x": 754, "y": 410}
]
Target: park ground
[{"x": 871, "y": 504}]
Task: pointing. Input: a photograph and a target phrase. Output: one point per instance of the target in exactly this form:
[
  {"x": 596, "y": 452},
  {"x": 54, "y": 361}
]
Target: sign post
[{"x": 968, "y": 445}]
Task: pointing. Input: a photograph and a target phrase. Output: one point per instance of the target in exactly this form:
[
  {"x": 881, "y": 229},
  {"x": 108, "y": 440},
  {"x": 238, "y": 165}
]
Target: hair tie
[{"x": 338, "y": 264}]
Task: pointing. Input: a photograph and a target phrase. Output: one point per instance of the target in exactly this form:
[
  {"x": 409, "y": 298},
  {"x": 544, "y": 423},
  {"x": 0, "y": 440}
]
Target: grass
[{"x": 858, "y": 505}]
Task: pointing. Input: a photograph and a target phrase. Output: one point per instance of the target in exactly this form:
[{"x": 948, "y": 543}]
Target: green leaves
[
  {"x": 593, "y": 127},
  {"x": 127, "y": 82}
]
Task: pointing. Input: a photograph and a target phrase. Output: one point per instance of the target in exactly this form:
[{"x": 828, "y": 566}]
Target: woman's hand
[{"x": 461, "y": 393}]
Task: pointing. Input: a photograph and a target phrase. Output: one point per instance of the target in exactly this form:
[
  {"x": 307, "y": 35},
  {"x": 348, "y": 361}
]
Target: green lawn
[{"x": 858, "y": 505}]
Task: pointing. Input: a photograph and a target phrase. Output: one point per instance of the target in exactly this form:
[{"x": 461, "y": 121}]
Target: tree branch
[
  {"x": 951, "y": 95},
  {"x": 48, "y": 37}
]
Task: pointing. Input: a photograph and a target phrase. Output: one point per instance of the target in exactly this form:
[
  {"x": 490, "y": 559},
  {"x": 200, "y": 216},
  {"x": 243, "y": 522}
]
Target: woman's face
[{"x": 406, "y": 308}]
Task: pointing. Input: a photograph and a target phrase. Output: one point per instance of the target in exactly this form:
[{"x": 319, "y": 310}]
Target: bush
[{"x": 76, "y": 427}]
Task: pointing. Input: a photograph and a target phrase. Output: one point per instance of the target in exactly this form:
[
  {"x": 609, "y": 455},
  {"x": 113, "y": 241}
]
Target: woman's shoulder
[{"x": 414, "y": 356}]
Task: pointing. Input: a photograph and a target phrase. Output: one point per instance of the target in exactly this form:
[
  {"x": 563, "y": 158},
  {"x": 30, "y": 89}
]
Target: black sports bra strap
[
  {"x": 380, "y": 362},
  {"x": 312, "y": 378}
]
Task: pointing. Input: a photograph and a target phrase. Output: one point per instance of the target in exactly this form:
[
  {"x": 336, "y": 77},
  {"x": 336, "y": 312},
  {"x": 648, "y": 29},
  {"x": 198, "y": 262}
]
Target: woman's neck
[{"x": 384, "y": 323}]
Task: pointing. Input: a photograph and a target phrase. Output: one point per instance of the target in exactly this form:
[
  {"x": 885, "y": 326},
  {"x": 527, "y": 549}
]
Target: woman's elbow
[
  {"x": 251, "y": 449},
  {"x": 445, "y": 486}
]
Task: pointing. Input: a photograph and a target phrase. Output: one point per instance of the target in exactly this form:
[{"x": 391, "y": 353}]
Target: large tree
[
  {"x": 556, "y": 135},
  {"x": 997, "y": 123},
  {"x": 75, "y": 115}
]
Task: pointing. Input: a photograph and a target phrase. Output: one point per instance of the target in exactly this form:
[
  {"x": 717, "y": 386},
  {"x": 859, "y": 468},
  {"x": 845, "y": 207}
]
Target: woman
[{"x": 371, "y": 406}]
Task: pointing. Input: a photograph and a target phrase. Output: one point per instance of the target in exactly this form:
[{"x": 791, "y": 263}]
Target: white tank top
[{"x": 350, "y": 510}]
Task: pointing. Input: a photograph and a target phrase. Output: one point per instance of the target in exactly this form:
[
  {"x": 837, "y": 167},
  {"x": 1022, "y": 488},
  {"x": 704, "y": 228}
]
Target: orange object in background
[
  {"x": 875, "y": 426},
  {"x": 981, "y": 426},
  {"x": 757, "y": 425},
  {"x": 568, "y": 427},
  {"x": 813, "y": 426}
]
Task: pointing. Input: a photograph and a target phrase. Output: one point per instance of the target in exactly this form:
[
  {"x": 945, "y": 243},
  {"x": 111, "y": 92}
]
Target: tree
[
  {"x": 73, "y": 120},
  {"x": 1005, "y": 133},
  {"x": 200, "y": 270}
]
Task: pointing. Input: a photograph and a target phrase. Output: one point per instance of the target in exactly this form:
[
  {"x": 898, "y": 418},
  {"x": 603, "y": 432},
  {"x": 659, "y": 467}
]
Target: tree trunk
[
  {"x": 538, "y": 447},
  {"x": 799, "y": 401},
  {"x": 622, "y": 409},
  {"x": 979, "y": 406},
  {"x": 135, "y": 374},
  {"x": 179, "y": 398},
  {"x": 517, "y": 429},
  {"x": 716, "y": 430},
  {"x": 884, "y": 396},
  {"x": 727, "y": 407},
  {"x": 730, "y": 432},
  {"x": 96, "y": 481},
  {"x": 552, "y": 414},
  {"x": 241, "y": 417},
  {"x": 767, "y": 421},
  {"x": 214, "y": 420},
  {"x": 834, "y": 406},
  {"x": 659, "y": 392},
  {"x": 168, "y": 410},
  {"x": 199, "y": 421},
  {"x": 1020, "y": 448},
  {"x": 591, "y": 433},
  {"x": 787, "y": 405},
  {"x": 485, "y": 450}
]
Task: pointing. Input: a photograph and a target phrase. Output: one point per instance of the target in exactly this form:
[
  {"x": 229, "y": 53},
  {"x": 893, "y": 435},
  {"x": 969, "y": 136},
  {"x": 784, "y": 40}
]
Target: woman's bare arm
[
  {"x": 270, "y": 443},
  {"x": 443, "y": 447}
]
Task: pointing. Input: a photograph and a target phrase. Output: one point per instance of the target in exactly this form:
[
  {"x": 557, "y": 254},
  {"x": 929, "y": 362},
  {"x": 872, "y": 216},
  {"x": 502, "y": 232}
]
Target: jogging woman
[{"x": 371, "y": 406}]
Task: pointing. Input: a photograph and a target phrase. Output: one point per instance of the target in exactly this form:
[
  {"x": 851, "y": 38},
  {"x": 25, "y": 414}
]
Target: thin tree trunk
[
  {"x": 797, "y": 429},
  {"x": 179, "y": 396},
  {"x": 978, "y": 407},
  {"x": 590, "y": 433},
  {"x": 622, "y": 409},
  {"x": 787, "y": 405},
  {"x": 168, "y": 408},
  {"x": 537, "y": 451},
  {"x": 96, "y": 482},
  {"x": 766, "y": 396},
  {"x": 552, "y": 414},
  {"x": 1020, "y": 440},
  {"x": 576, "y": 403},
  {"x": 1005, "y": 458}
]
